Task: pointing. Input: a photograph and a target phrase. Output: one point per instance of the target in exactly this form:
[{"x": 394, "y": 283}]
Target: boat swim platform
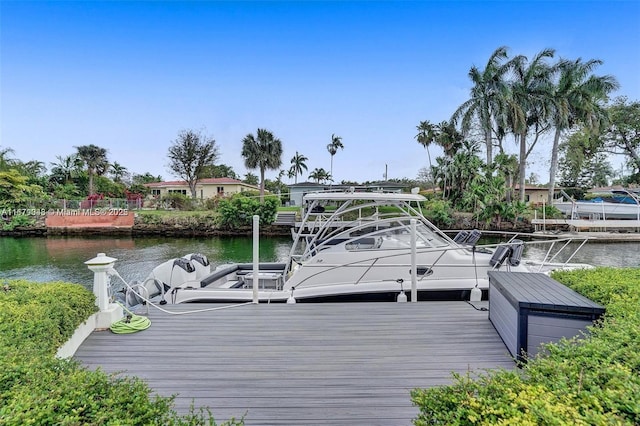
[{"x": 304, "y": 364}]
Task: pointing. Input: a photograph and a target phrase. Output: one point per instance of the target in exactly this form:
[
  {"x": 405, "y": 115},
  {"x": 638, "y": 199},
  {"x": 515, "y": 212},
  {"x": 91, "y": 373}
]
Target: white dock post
[
  {"x": 109, "y": 312},
  {"x": 414, "y": 273},
  {"x": 256, "y": 255}
]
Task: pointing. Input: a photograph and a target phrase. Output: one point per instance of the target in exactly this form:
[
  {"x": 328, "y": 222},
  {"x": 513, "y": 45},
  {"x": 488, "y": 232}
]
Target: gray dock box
[{"x": 528, "y": 309}]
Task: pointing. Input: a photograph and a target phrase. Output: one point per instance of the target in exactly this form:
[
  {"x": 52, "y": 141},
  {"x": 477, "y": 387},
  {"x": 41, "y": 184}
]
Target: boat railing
[{"x": 547, "y": 261}]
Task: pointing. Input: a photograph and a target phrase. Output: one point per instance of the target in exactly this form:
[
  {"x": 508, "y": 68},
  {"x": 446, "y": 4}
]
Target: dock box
[{"x": 528, "y": 309}]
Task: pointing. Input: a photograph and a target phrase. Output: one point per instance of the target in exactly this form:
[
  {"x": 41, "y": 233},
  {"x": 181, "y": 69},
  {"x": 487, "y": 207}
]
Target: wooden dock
[{"x": 304, "y": 364}]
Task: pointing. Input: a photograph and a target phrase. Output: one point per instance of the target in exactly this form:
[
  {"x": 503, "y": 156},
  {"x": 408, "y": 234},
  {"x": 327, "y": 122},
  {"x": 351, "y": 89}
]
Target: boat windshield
[{"x": 387, "y": 234}]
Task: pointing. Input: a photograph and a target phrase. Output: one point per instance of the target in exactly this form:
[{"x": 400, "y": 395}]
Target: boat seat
[{"x": 216, "y": 275}]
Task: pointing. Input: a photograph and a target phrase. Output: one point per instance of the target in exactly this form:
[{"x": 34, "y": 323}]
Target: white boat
[
  {"x": 353, "y": 246},
  {"x": 615, "y": 204}
]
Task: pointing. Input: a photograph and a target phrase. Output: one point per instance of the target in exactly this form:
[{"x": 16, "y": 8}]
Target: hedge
[
  {"x": 589, "y": 381},
  {"x": 36, "y": 388}
]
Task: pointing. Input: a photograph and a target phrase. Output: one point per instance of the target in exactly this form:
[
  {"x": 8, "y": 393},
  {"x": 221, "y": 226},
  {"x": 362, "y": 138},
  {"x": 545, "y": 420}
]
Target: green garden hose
[{"x": 131, "y": 323}]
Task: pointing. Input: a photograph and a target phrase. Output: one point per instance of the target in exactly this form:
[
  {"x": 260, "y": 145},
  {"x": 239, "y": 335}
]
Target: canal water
[{"x": 62, "y": 258}]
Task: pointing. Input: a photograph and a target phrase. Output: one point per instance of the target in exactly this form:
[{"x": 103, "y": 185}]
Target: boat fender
[
  {"x": 291, "y": 300},
  {"x": 402, "y": 297},
  {"x": 476, "y": 294}
]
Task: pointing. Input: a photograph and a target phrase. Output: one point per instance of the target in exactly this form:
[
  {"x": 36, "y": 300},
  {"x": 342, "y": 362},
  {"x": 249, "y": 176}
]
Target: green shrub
[
  {"x": 38, "y": 389},
  {"x": 238, "y": 210},
  {"x": 439, "y": 212},
  {"x": 18, "y": 220},
  {"x": 594, "y": 380},
  {"x": 178, "y": 201}
]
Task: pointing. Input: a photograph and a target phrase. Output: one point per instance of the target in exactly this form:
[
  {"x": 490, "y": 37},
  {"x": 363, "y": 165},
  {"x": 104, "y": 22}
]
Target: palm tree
[
  {"x": 336, "y": 143},
  {"x": 577, "y": 98},
  {"x": 67, "y": 167},
  {"x": 95, "y": 159},
  {"x": 425, "y": 137},
  {"x": 486, "y": 103},
  {"x": 263, "y": 151},
  {"x": 529, "y": 102},
  {"x": 319, "y": 175},
  {"x": 297, "y": 166},
  {"x": 118, "y": 171},
  {"x": 5, "y": 161}
]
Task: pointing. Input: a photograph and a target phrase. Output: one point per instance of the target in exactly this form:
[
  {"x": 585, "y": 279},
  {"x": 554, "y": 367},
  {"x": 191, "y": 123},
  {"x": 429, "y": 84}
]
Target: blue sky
[{"x": 128, "y": 76}]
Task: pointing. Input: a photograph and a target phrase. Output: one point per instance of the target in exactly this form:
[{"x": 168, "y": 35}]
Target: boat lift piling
[
  {"x": 414, "y": 273},
  {"x": 256, "y": 255}
]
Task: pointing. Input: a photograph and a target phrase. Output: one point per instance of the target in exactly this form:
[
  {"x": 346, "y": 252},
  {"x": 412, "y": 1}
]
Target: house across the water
[{"x": 205, "y": 188}]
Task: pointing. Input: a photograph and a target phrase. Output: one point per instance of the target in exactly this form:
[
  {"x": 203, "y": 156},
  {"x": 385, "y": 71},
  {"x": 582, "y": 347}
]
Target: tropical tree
[
  {"x": 262, "y": 151},
  {"x": 118, "y": 171},
  {"x": 319, "y": 175},
  {"x": 578, "y": 98},
  {"x": 298, "y": 165},
  {"x": 426, "y": 136},
  {"x": 220, "y": 171},
  {"x": 66, "y": 168},
  {"x": 145, "y": 178},
  {"x": 336, "y": 143},
  {"x": 622, "y": 135},
  {"x": 251, "y": 179},
  {"x": 506, "y": 166},
  {"x": 189, "y": 156},
  {"x": 583, "y": 164},
  {"x": 6, "y": 162},
  {"x": 528, "y": 101},
  {"x": 95, "y": 160},
  {"x": 486, "y": 103}
]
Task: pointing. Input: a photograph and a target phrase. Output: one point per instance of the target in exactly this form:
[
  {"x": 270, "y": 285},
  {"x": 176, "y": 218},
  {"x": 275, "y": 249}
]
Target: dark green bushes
[
  {"x": 38, "y": 389},
  {"x": 238, "y": 210},
  {"x": 591, "y": 381}
]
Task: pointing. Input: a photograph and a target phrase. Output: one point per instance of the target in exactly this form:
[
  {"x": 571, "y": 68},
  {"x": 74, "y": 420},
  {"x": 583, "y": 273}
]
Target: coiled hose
[{"x": 131, "y": 323}]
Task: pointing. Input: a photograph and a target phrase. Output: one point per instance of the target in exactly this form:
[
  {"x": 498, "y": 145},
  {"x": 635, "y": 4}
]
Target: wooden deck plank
[{"x": 321, "y": 364}]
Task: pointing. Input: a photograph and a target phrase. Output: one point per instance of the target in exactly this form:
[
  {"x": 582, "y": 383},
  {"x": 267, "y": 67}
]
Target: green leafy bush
[
  {"x": 178, "y": 201},
  {"x": 38, "y": 389},
  {"x": 439, "y": 212},
  {"x": 238, "y": 210},
  {"x": 590, "y": 381},
  {"x": 18, "y": 220}
]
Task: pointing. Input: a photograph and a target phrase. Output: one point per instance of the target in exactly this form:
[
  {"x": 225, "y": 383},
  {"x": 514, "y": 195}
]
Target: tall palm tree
[
  {"x": 118, "y": 171},
  {"x": 336, "y": 143},
  {"x": 425, "y": 137},
  {"x": 95, "y": 159},
  {"x": 263, "y": 151},
  {"x": 486, "y": 103},
  {"x": 529, "y": 102},
  {"x": 298, "y": 164},
  {"x": 578, "y": 97}
]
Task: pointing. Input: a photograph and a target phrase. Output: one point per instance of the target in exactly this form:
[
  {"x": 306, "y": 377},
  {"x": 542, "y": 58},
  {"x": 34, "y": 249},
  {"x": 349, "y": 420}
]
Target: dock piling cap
[{"x": 100, "y": 259}]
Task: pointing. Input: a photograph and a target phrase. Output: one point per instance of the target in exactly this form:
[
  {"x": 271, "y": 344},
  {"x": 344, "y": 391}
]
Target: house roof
[{"x": 206, "y": 181}]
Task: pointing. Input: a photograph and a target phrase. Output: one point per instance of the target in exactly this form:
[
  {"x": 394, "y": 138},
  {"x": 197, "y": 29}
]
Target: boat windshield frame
[{"x": 319, "y": 226}]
